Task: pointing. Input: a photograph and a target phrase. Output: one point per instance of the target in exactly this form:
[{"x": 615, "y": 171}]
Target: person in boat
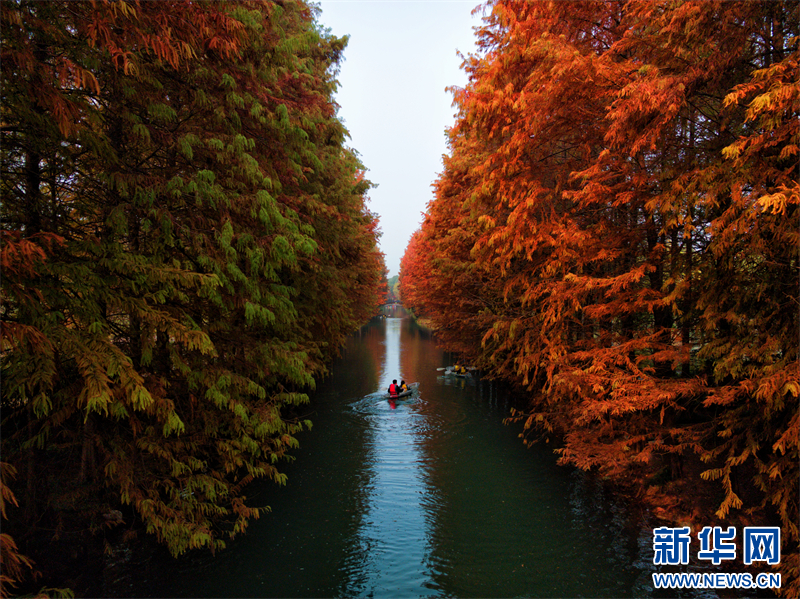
[
  {"x": 403, "y": 386},
  {"x": 394, "y": 388}
]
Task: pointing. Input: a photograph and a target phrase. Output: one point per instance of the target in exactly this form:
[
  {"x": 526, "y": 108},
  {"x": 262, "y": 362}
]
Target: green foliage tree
[{"x": 185, "y": 243}]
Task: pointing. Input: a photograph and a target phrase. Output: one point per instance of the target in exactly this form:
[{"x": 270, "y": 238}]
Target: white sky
[{"x": 400, "y": 58}]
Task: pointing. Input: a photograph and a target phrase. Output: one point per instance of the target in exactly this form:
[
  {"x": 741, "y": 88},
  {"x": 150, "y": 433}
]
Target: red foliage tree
[{"x": 630, "y": 232}]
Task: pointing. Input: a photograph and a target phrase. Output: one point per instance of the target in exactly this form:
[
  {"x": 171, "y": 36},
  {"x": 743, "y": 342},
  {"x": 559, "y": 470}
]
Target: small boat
[
  {"x": 412, "y": 388},
  {"x": 450, "y": 371}
]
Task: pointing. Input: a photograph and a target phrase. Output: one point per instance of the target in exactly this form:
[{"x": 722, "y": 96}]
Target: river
[{"x": 427, "y": 497}]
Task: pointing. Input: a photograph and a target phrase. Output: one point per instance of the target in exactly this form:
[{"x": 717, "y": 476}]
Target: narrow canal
[{"x": 429, "y": 497}]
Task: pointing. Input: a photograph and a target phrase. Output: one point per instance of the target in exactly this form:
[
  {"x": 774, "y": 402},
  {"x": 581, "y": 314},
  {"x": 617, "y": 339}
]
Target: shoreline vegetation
[
  {"x": 185, "y": 238},
  {"x": 425, "y": 324},
  {"x": 614, "y": 234}
]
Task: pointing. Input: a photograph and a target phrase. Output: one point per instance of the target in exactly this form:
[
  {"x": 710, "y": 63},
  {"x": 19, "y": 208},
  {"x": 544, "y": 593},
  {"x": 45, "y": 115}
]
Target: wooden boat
[{"x": 412, "y": 388}]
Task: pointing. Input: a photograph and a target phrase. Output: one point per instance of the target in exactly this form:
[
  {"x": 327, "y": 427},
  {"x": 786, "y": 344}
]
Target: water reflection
[
  {"x": 505, "y": 521},
  {"x": 393, "y": 533}
]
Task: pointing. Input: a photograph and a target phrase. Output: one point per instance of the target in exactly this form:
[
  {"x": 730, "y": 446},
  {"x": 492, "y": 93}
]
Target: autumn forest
[
  {"x": 186, "y": 244},
  {"x": 616, "y": 233}
]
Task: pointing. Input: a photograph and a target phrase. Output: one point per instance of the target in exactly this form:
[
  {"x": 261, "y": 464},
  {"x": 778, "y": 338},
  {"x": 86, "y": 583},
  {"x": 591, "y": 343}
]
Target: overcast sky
[{"x": 400, "y": 58}]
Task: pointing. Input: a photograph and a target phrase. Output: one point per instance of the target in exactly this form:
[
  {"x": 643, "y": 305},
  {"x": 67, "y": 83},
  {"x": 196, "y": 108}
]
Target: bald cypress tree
[
  {"x": 623, "y": 185},
  {"x": 179, "y": 210}
]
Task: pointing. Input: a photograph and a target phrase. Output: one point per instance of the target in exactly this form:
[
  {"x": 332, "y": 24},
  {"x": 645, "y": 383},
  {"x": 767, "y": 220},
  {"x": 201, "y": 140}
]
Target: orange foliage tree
[{"x": 615, "y": 232}]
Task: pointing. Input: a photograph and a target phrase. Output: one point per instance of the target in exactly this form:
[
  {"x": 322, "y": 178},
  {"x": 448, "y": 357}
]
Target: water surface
[{"x": 427, "y": 497}]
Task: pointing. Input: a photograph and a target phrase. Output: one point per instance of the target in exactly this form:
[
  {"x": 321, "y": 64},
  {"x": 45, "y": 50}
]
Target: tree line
[
  {"x": 185, "y": 243},
  {"x": 615, "y": 231}
]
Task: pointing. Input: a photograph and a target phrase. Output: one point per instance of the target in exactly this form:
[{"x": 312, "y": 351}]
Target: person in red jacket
[{"x": 394, "y": 389}]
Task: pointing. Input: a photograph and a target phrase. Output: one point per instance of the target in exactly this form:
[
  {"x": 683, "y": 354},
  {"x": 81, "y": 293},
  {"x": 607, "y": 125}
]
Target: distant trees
[
  {"x": 184, "y": 243},
  {"x": 616, "y": 232},
  {"x": 393, "y": 294}
]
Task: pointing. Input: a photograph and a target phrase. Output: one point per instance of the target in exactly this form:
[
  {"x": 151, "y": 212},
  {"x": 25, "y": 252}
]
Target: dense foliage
[
  {"x": 185, "y": 242},
  {"x": 392, "y": 286},
  {"x": 616, "y": 232}
]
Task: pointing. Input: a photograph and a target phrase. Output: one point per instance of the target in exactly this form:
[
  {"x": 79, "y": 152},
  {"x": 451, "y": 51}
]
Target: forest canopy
[
  {"x": 185, "y": 243},
  {"x": 615, "y": 232}
]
